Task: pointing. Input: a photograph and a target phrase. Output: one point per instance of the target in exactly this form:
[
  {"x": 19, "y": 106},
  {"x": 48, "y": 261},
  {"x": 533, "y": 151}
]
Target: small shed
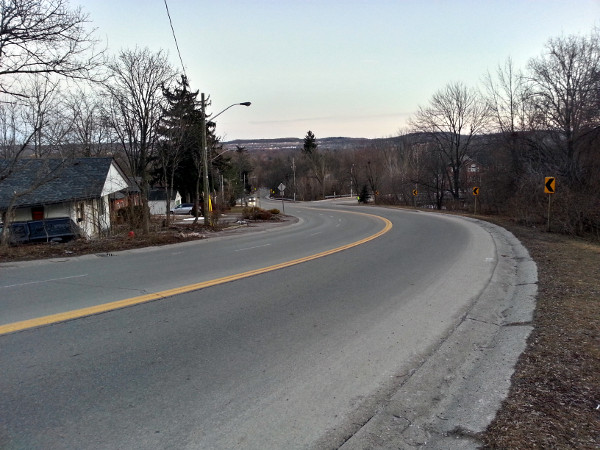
[{"x": 157, "y": 200}]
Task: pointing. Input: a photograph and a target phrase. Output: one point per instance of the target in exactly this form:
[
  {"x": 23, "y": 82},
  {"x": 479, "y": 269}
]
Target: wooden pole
[{"x": 549, "y": 205}]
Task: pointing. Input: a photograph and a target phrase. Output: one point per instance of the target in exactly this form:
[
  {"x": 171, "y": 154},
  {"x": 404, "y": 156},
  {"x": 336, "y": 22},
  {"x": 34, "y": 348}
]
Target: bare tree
[
  {"x": 565, "y": 82},
  {"x": 455, "y": 115},
  {"x": 42, "y": 112},
  {"x": 44, "y": 37},
  {"x": 135, "y": 88},
  {"x": 508, "y": 95},
  {"x": 511, "y": 109},
  {"x": 9, "y": 133},
  {"x": 90, "y": 133}
]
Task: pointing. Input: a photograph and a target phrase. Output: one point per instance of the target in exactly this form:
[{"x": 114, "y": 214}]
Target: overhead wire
[{"x": 175, "y": 38}]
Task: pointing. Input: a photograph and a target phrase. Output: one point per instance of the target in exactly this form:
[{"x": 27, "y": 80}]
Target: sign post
[
  {"x": 415, "y": 192},
  {"x": 549, "y": 188},
  {"x": 281, "y": 188},
  {"x": 475, "y": 194}
]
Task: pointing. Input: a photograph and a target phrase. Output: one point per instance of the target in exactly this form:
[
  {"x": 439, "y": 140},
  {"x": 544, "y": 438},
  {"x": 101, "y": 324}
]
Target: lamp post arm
[
  {"x": 230, "y": 106},
  {"x": 222, "y": 153}
]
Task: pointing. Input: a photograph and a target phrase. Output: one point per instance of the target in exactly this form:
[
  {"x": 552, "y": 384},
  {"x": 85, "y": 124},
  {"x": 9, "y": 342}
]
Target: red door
[{"x": 37, "y": 212}]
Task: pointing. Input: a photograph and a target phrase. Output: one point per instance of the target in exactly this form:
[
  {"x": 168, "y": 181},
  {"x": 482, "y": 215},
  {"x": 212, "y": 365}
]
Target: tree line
[{"x": 504, "y": 136}]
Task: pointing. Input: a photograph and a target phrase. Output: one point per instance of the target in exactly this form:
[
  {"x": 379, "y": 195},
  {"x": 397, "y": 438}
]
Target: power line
[{"x": 175, "y": 38}]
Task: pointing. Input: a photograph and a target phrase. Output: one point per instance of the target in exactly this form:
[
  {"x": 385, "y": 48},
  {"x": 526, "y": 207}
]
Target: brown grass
[
  {"x": 121, "y": 241},
  {"x": 555, "y": 393}
]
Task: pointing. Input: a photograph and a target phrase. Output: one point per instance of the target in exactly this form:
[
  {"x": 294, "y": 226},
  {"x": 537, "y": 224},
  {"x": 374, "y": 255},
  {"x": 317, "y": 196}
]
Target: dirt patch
[{"x": 554, "y": 400}]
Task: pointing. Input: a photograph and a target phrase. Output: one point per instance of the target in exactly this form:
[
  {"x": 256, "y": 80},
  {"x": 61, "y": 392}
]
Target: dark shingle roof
[
  {"x": 48, "y": 181},
  {"x": 160, "y": 194}
]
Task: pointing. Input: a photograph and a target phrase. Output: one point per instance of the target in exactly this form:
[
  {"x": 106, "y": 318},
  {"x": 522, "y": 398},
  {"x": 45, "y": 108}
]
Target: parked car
[
  {"x": 184, "y": 208},
  {"x": 60, "y": 229}
]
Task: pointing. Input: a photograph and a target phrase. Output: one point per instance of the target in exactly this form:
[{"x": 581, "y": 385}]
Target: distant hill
[{"x": 331, "y": 143}]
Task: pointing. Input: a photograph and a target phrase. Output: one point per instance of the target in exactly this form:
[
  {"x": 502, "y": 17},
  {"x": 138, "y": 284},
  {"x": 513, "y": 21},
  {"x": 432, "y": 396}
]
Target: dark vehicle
[
  {"x": 60, "y": 229},
  {"x": 19, "y": 232}
]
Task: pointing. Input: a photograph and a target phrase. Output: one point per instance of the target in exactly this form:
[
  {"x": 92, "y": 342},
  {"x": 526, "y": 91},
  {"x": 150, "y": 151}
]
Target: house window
[
  {"x": 80, "y": 212},
  {"x": 37, "y": 213}
]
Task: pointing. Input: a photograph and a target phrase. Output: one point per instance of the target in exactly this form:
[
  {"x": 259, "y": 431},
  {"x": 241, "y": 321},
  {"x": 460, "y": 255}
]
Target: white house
[{"x": 34, "y": 189}]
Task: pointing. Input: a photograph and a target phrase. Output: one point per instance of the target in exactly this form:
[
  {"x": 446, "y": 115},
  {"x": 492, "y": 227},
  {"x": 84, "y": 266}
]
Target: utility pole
[
  {"x": 206, "y": 193},
  {"x": 351, "y": 179},
  {"x": 294, "y": 169}
]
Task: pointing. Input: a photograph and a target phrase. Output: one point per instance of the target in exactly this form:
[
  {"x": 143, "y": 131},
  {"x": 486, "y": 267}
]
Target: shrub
[
  {"x": 255, "y": 213},
  {"x": 131, "y": 215},
  {"x": 274, "y": 211},
  {"x": 364, "y": 195}
]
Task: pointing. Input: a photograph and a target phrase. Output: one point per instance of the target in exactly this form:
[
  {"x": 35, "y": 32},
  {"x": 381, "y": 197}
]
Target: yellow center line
[{"x": 105, "y": 307}]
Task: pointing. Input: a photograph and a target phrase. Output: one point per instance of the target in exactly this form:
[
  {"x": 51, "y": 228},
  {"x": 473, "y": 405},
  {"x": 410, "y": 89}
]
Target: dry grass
[
  {"x": 119, "y": 241},
  {"x": 555, "y": 393}
]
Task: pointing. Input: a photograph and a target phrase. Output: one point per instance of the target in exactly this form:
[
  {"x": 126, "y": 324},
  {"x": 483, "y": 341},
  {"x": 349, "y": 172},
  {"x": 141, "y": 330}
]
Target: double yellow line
[{"x": 105, "y": 307}]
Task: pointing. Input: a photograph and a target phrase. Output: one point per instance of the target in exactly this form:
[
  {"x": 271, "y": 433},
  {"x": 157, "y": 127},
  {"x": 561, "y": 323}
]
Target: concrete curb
[{"x": 455, "y": 394}]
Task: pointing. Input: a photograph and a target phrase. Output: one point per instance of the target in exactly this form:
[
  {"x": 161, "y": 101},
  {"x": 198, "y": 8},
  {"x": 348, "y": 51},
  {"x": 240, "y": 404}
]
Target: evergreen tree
[
  {"x": 310, "y": 144},
  {"x": 180, "y": 139},
  {"x": 316, "y": 160},
  {"x": 364, "y": 194}
]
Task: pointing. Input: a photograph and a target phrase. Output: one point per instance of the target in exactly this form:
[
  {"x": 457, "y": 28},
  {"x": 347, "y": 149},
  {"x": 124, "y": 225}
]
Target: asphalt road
[{"x": 298, "y": 357}]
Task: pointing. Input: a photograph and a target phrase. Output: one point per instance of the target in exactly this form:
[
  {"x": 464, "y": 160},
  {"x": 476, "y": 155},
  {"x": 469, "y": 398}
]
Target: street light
[
  {"x": 222, "y": 153},
  {"x": 205, "y": 152}
]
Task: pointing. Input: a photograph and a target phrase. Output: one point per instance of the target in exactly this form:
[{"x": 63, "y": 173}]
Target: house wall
[
  {"x": 92, "y": 216},
  {"x": 50, "y": 212},
  {"x": 22, "y": 214},
  {"x": 60, "y": 210},
  {"x": 114, "y": 181}
]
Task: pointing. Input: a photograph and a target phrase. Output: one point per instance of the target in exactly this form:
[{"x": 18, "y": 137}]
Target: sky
[{"x": 352, "y": 68}]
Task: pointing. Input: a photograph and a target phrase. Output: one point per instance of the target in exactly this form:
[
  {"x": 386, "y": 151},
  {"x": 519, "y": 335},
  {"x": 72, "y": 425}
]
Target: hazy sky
[{"x": 336, "y": 67}]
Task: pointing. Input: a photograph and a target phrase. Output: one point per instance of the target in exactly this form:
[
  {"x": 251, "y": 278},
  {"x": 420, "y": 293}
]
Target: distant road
[{"x": 288, "y": 358}]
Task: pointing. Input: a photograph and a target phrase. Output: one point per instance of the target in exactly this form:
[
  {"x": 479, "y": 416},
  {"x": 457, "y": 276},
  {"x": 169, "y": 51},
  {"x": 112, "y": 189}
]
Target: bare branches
[
  {"x": 135, "y": 90},
  {"x": 565, "y": 84},
  {"x": 45, "y": 37},
  {"x": 455, "y": 115}
]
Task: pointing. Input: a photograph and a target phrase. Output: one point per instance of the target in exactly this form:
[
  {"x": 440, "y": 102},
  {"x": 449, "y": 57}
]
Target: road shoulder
[{"x": 454, "y": 395}]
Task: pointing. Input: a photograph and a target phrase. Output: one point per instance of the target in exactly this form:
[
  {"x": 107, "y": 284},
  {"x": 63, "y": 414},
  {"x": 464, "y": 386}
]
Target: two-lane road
[{"x": 288, "y": 358}]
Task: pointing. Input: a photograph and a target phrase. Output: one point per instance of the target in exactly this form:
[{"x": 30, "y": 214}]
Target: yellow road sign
[
  {"x": 476, "y": 190},
  {"x": 415, "y": 192},
  {"x": 550, "y": 185}
]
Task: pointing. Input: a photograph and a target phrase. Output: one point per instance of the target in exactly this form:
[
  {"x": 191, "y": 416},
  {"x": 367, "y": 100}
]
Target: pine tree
[
  {"x": 364, "y": 194},
  {"x": 180, "y": 139}
]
